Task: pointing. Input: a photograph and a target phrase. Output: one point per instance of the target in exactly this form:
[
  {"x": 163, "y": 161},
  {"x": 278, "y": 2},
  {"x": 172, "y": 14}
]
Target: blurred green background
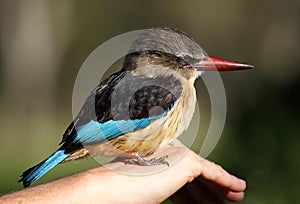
[{"x": 44, "y": 43}]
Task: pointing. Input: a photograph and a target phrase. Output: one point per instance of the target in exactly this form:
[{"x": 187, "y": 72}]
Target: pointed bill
[{"x": 218, "y": 64}]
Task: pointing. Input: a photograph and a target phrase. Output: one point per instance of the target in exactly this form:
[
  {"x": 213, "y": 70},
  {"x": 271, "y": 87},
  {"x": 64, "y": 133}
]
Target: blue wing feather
[
  {"x": 94, "y": 132},
  {"x": 36, "y": 172}
]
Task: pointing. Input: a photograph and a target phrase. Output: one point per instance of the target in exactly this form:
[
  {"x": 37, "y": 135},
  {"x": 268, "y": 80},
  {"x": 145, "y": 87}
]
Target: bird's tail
[{"x": 34, "y": 173}]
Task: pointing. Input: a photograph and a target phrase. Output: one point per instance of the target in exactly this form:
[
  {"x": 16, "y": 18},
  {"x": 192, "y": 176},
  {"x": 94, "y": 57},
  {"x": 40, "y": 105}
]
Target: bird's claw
[{"x": 138, "y": 160}]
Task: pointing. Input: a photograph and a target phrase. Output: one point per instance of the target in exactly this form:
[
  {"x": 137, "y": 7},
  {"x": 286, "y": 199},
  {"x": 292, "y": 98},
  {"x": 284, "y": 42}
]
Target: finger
[
  {"x": 222, "y": 191},
  {"x": 234, "y": 196},
  {"x": 219, "y": 177}
]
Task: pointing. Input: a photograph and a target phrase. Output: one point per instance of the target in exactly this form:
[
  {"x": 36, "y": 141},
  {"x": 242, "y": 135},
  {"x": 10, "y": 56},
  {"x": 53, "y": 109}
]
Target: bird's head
[{"x": 170, "y": 48}]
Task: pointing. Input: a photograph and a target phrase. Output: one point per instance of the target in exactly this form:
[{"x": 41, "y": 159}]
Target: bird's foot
[{"x": 138, "y": 160}]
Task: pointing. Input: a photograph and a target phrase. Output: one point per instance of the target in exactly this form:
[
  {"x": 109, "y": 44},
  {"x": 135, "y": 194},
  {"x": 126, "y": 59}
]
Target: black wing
[{"x": 123, "y": 96}]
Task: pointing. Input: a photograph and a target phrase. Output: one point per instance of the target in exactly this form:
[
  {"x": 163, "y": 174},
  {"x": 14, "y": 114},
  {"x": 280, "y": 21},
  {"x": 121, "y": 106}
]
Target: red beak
[{"x": 218, "y": 64}]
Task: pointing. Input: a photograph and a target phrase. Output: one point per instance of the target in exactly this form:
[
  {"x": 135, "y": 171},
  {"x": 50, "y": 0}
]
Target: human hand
[
  {"x": 205, "y": 181},
  {"x": 115, "y": 183}
]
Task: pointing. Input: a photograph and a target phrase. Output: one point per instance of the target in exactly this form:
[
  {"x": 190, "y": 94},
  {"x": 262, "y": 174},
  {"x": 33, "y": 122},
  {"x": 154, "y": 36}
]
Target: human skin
[{"x": 117, "y": 182}]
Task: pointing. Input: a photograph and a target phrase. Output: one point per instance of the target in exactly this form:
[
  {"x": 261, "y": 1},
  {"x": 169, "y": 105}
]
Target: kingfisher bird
[{"x": 142, "y": 107}]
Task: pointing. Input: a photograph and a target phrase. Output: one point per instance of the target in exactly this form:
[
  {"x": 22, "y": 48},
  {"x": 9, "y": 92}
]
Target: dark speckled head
[
  {"x": 168, "y": 40},
  {"x": 164, "y": 47}
]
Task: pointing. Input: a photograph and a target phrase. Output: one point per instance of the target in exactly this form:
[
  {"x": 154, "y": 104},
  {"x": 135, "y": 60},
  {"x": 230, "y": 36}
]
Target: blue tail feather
[{"x": 34, "y": 173}]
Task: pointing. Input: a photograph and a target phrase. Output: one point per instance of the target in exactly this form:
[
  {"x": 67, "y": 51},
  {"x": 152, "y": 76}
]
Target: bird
[{"x": 141, "y": 108}]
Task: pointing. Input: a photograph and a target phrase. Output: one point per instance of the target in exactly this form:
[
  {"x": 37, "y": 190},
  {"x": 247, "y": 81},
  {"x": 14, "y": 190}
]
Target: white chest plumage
[{"x": 181, "y": 115}]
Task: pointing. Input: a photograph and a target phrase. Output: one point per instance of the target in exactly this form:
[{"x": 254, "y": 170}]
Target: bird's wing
[{"x": 120, "y": 104}]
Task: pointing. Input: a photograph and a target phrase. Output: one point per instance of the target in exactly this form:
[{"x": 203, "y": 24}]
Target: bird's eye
[{"x": 189, "y": 59}]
